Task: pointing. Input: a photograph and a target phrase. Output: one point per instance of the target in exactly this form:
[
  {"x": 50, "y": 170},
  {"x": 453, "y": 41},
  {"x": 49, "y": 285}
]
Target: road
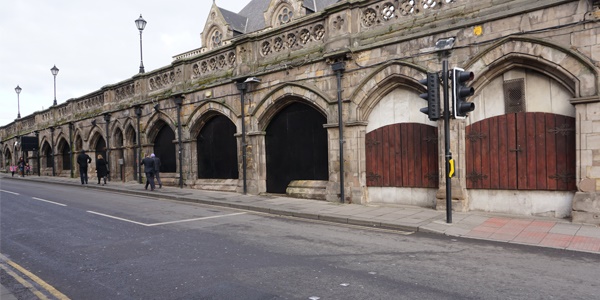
[{"x": 91, "y": 244}]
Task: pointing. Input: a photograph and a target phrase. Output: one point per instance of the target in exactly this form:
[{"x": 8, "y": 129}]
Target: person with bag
[
  {"x": 83, "y": 160},
  {"x": 148, "y": 163},
  {"x": 101, "y": 168}
]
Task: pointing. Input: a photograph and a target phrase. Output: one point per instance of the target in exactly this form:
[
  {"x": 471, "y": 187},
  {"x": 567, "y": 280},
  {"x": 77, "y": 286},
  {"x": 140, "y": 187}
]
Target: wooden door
[
  {"x": 402, "y": 155},
  {"x": 521, "y": 151}
]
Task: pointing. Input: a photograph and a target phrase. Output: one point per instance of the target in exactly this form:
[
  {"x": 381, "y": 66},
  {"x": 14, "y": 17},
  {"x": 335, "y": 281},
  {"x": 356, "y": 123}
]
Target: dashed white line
[
  {"x": 10, "y": 192},
  {"x": 48, "y": 201},
  {"x": 163, "y": 223}
]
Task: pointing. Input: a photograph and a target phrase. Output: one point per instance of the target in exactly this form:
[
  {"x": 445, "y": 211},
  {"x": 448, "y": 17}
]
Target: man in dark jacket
[
  {"x": 148, "y": 163},
  {"x": 157, "y": 170},
  {"x": 83, "y": 160}
]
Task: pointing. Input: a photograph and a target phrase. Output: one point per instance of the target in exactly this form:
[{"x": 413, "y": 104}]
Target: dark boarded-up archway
[
  {"x": 296, "y": 147},
  {"x": 217, "y": 149},
  {"x": 65, "y": 153},
  {"x": 100, "y": 148},
  {"x": 164, "y": 148},
  {"x": 47, "y": 153}
]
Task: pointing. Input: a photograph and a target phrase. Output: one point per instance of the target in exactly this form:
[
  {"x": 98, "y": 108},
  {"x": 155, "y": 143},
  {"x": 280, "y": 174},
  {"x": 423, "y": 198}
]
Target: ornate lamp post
[
  {"x": 141, "y": 24},
  {"x": 243, "y": 88},
  {"x": 18, "y": 90},
  {"x": 54, "y": 71}
]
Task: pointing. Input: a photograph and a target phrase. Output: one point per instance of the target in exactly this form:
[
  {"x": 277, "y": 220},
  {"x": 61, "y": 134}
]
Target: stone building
[{"x": 257, "y": 108}]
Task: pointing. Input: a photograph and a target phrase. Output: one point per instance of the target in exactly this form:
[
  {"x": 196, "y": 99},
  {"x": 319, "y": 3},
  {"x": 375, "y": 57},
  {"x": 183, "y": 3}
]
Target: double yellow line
[{"x": 4, "y": 265}]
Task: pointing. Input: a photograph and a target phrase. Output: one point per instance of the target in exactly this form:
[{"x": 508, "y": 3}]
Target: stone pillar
[{"x": 586, "y": 202}]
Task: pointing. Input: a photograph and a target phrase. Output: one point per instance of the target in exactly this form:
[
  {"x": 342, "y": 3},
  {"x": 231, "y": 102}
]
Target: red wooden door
[
  {"x": 402, "y": 155},
  {"x": 522, "y": 151}
]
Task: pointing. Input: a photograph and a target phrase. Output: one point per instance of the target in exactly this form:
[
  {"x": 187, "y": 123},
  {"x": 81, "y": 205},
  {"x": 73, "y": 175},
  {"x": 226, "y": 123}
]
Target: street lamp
[
  {"x": 243, "y": 88},
  {"x": 18, "y": 90},
  {"x": 141, "y": 24},
  {"x": 54, "y": 71}
]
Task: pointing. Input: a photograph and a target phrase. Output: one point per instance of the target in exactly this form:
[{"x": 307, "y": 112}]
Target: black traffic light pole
[{"x": 448, "y": 154}]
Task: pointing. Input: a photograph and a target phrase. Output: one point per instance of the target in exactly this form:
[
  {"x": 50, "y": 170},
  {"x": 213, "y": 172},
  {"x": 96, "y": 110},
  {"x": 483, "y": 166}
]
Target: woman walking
[{"x": 101, "y": 168}]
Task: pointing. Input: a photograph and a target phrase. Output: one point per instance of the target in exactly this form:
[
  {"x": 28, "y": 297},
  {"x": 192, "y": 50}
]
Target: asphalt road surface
[{"x": 90, "y": 244}]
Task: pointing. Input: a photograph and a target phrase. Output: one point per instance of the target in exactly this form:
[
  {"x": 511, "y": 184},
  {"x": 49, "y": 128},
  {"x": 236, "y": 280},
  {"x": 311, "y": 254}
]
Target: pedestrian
[
  {"x": 157, "y": 170},
  {"x": 101, "y": 168},
  {"x": 148, "y": 163},
  {"x": 27, "y": 169},
  {"x": 21, "y": 166},
  {"x": 83, "y": 160},
  {"x": 13, "y": 169}
]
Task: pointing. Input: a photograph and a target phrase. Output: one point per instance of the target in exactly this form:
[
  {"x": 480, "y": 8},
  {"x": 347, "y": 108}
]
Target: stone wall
[{"x": 386, "y": 51}]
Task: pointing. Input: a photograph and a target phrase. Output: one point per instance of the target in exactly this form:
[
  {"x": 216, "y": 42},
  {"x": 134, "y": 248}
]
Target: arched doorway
[
  {"x": 132, "y": 153},
  {"x": 47, "y": 155},
  {"x": 100, "y": 148},
  {"x": 217, "y": 149},
  {"x": 296, "y": 147},
  {"x": 119, "y": 154},
  {"x": 164, "y": 148},
  {"x": 65, "y": 151}
]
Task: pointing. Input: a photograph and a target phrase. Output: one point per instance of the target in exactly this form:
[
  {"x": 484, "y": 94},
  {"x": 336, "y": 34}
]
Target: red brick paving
[
  {"x": 557, "y": 240},
  {"x": 534, "y": 232},
  {"x": 585, "y": 243}
]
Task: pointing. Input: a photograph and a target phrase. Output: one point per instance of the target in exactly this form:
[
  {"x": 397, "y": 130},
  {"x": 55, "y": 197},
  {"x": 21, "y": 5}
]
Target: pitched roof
[
  {"x": 251, "y": 17},
  {"x": 236, "y": 21}
]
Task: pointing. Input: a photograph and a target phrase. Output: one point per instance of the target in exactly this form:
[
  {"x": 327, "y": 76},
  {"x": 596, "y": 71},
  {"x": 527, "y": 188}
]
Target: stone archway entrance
[
  {"x": 164, "y": 148},
  {"x": 217, "y": 150},
  {"x": 296, "y": 147}
]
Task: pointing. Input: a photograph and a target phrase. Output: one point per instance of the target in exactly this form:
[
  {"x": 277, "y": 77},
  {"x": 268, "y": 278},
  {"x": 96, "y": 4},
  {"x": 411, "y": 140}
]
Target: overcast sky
[{"x": 92, "y": 43}]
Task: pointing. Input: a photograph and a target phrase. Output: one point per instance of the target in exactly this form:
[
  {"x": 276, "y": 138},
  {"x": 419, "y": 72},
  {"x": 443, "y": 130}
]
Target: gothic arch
[
  {"x": 130, "y": 135},
  {"x": 204, "y": 112},
  {"x": 382, "y": 81},
  {"x": 283, "y": 95},
  {"x": 114, "y": 126},
  {"x": 78, "y": 143},
  {"x": 155, "y": 123},
  {"x": 567, "y": 67},
  {"x": 95, "y": 135},
  {"x": 59, "y": 145},
  {"x": 61, "y": 135}
]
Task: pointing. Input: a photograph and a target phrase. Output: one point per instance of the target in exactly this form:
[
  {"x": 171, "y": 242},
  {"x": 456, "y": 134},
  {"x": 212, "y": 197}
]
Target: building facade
[{"x": 320, "y": 99}]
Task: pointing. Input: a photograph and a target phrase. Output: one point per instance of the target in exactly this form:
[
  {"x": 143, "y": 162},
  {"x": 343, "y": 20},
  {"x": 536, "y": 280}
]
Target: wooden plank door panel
[
  {"x": 524, "y": 151},
  {"x": 402, "y": 155}
]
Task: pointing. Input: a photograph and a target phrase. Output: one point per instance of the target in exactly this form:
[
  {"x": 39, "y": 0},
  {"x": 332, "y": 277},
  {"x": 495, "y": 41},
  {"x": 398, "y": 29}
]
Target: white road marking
[
  {"x": 9, "y": 192},
  {"x": 196, "y": 219},
  {"x": 163, "y": 223},
  {"x": 48, "y": 201},
  {"x": 116, "y": 218}
]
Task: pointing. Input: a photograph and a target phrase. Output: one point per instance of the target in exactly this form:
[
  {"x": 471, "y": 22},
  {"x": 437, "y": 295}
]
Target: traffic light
[
  {"x": 460, "y": 92},
  {"x": 432, "y": 82}
]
